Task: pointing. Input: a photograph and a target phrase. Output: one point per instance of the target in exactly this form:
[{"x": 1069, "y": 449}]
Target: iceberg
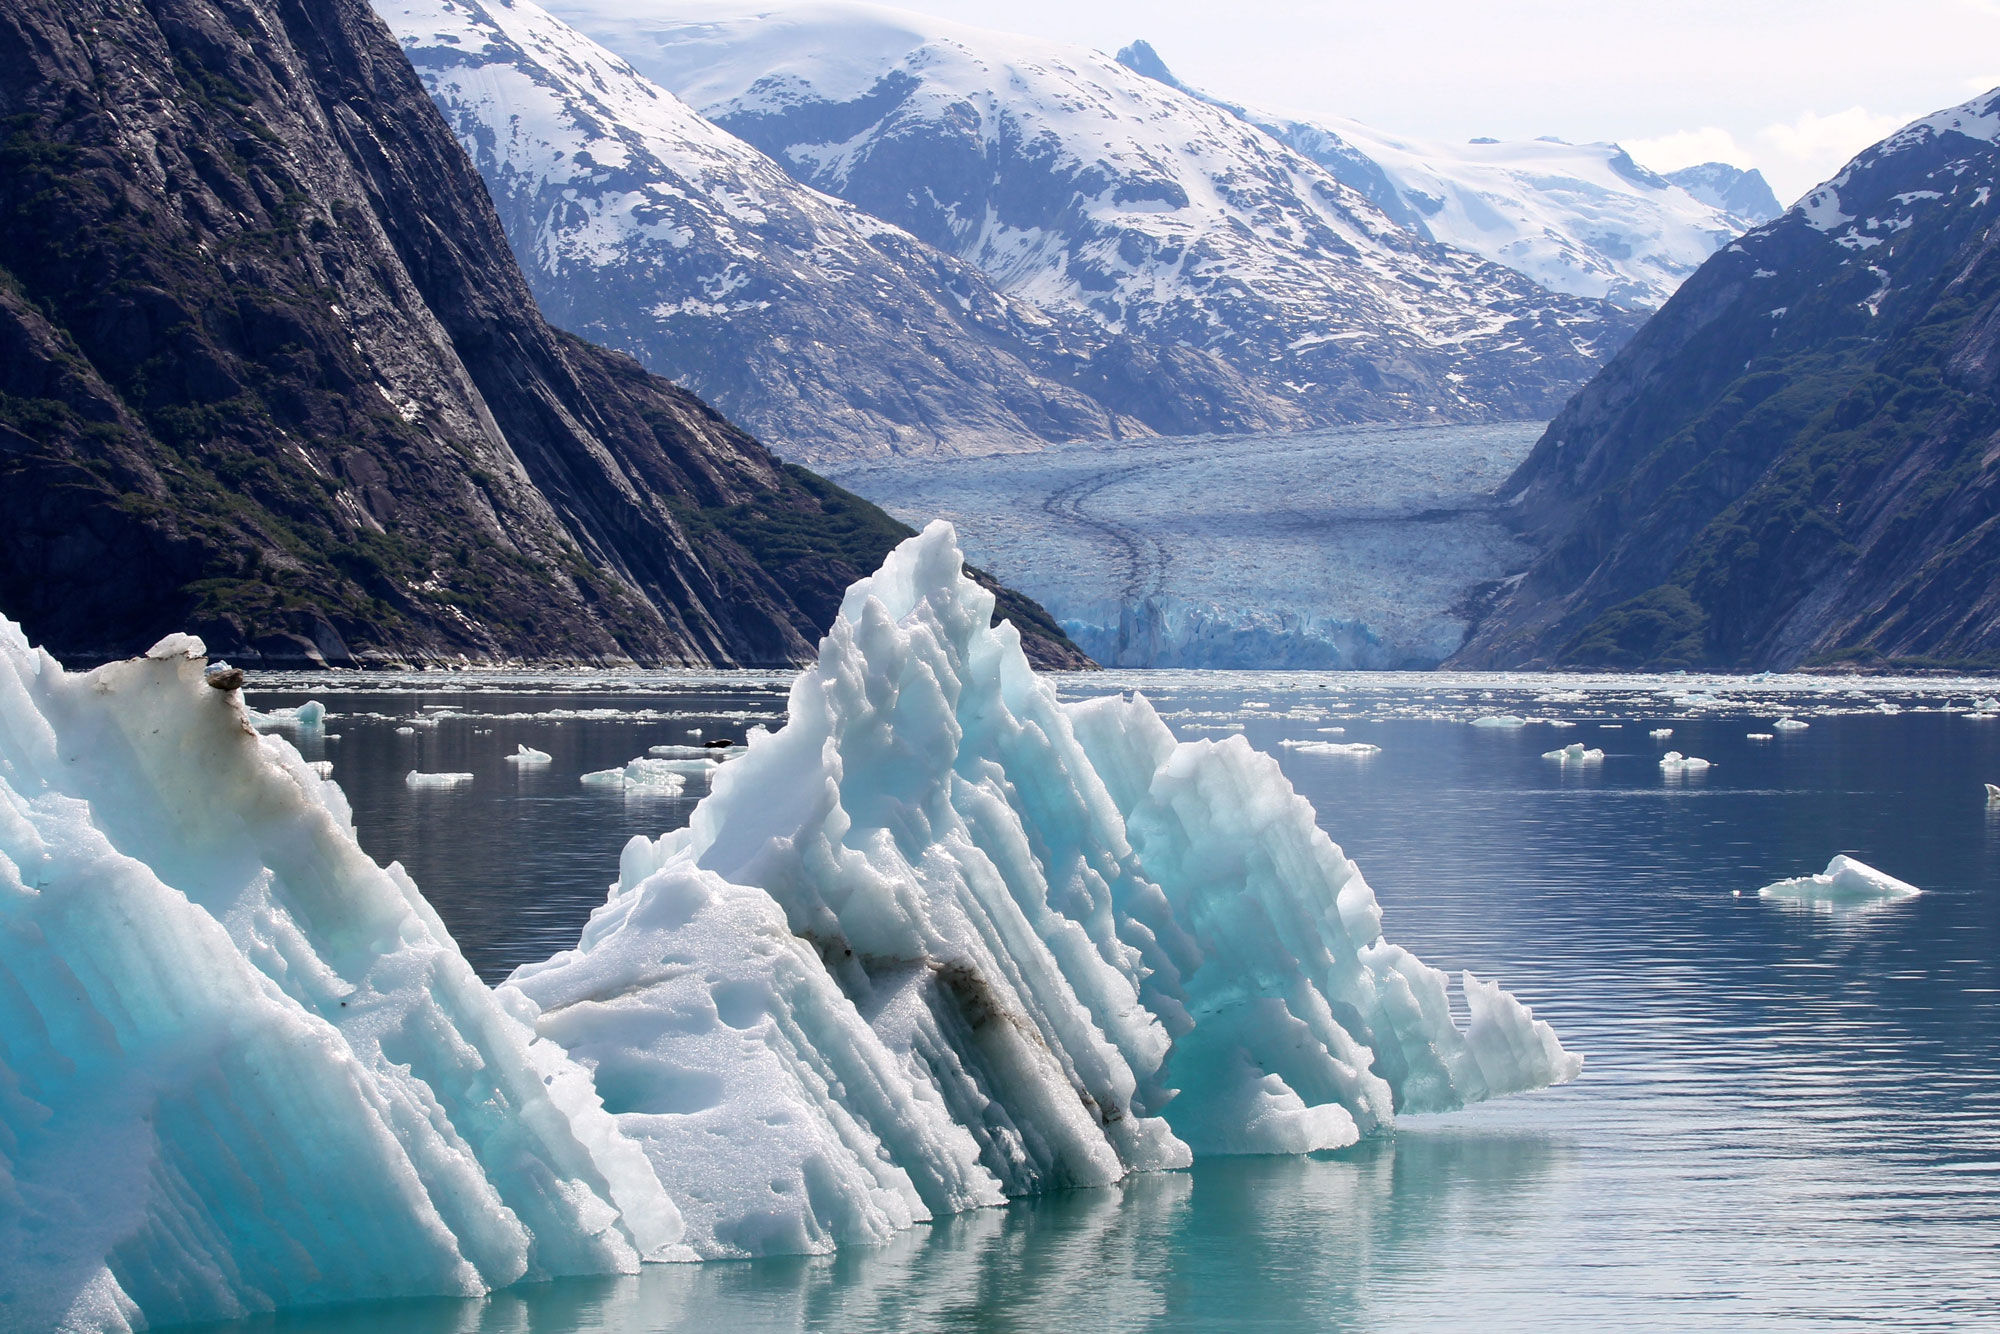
[
  {"x": 664, "y": 777},
  {"x": 1575, "y": 753},
  {"x": 1507, "y": 720},
  {"x": 1673, "y": 762},
  {"x": 1661, "y": 733},
  {"x": 938, "y": 941},
  {"x": 528, "y": 757},
  {"x": 1058, "y": 944},
  {"x": 1789, "y": 725},
  {"x": 1844, "y": 882},
  {"x": 241, "y": 1065}
]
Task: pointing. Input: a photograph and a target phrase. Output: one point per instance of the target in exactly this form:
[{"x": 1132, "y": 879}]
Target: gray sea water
[{"x": 1788, "y": 1118}]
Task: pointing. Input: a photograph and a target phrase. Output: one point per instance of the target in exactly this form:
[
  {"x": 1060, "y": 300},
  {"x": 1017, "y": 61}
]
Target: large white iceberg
[
  {"x": 1845, "y": 882},
  {"x": 241, "y": 1065},
  {"x": 1068, "y": 946},
  {"x": 940, "y": 940}
]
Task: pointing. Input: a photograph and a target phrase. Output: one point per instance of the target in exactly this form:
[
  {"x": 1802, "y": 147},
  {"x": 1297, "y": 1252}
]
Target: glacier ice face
[
  {"x": 1056, "y": 944},
  {"x": 242, "y": 1066}
]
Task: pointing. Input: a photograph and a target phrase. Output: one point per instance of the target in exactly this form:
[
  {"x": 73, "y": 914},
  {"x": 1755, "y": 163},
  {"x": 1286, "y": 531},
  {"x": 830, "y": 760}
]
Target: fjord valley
[
  {"x": 780, "y": 635},
  {"x": 273, "y": 376}
]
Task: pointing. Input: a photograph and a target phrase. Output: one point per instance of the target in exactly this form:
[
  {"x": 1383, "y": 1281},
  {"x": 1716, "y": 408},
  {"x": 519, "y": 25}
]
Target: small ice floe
[
  {"x": 324, "y": 768},
  {"x": 1676, "y": 763},
  {"x": 415, "y": 778},
  {"x": 307, "y": 717},
  {"x": 1660, "y": 733},
  {"x": 1789, "y": 725},
  {"x": 1845, "y": 882},
  {"x": 406, "y": 731},
  {"x": 1759, "y": 736},
  {"x": 1611, "y": 727},
  {"x": 1575, "y": 753},
  {"x": 707, "y": 751},
  {"x": 646, "y": 774},
  {"x": 1333, "y": 731},
  {"x": 1331, "y": 747},
  {"x": 1500, "y": 720},
  {"x": 1992, "y": 792},
  {"x": 527, "y": 756}
]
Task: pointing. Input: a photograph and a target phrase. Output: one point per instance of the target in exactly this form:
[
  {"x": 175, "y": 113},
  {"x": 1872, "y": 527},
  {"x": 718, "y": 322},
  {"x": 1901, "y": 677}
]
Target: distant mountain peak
[
  {"x": 1743, "y": 192},
  {"x": 1141, "y": 58}
]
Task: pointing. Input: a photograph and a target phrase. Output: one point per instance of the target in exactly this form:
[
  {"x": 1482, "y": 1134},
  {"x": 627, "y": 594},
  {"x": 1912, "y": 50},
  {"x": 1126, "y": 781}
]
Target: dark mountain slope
[
  {"x": 270, "y": 373},
  {"x": 1798, "y": 459}
]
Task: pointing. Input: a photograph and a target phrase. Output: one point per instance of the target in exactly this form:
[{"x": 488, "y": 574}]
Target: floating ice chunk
[
  {"x": 1789, "y": 725},
  {"x": 1085, "y": 946},
  {"x": 324, "y": 768},
  {"x": 406, "y": 731},
  {"x": 1845, "y": 881},
  {"x": 1500, "y": 720},
  {"x": 661, "y": 777},
  {"x": 1759, "y": 736},
  {"x": 1331, "y": 747},
  {"x": 1987, "y": 704},
  {"x": 1333, "y": 731},
  {"x": 528, "y": 757},
  {"x": 1993, "y": 792},
  {"x": 1661, "y": 733},
  {"x": 309, "y": 716},
  {"x": 1575, "y": 753},
  {"x": 416, "y": 778},
  {"x": 245, "y": 1066},
  {"x": 1676, "y": 763}
]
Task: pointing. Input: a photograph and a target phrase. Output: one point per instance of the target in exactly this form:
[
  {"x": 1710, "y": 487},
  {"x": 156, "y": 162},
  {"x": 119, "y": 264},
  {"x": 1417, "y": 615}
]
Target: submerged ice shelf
[{"x": 940, "y": 940}]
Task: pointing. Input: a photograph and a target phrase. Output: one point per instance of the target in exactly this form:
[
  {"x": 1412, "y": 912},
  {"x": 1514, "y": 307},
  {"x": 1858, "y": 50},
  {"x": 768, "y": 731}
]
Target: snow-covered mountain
[
  {"x": 1578, "y": 218},
  {"x": 1744, "y": 194},
  {"x": 1245, "y": 279},
  {"x": 644, "y": 227},
  {"x": 1795, "y": 460}
]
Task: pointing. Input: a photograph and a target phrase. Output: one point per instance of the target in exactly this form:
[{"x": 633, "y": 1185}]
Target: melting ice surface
[{"x": 940, "y": 940}]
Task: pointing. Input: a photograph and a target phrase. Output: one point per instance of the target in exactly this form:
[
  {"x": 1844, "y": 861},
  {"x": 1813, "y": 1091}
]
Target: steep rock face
[
  {"x": 645, "y": 228},
  {"x": 271, "y": 373},
  {"x": 1584, "y": 219},
  {"x": 1237, "y": 285},
  {"x": 1798, "y": 459}
]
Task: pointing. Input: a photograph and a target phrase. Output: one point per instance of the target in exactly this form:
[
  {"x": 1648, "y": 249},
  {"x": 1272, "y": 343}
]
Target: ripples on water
[{"x": 1788, "y": 1118}]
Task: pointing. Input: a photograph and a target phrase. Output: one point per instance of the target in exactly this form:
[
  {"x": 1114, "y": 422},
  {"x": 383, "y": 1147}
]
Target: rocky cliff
[
  {"x": 1798, "y": 459},
  {"x": 269, "y": 372}
]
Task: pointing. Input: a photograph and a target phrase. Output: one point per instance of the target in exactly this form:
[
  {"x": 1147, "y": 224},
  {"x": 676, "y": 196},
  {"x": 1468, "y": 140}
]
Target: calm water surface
[{"x": 1789, "y": 1118}]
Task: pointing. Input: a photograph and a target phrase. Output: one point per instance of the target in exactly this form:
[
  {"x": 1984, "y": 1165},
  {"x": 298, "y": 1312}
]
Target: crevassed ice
[{"x": 939, "y": 940}]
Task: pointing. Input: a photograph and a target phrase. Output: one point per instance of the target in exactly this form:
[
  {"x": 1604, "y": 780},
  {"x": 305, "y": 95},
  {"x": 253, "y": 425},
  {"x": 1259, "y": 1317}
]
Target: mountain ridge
[
  {"x": 273, "y": 376},
  {"x": 1797, "y": 461}
]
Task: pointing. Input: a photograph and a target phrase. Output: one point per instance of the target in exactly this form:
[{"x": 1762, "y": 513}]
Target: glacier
[{"x": 939, "y": 940}]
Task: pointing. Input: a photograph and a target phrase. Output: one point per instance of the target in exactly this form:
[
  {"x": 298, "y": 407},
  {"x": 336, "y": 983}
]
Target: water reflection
[
  {"x": 1330, "y": 1238},
  {"x": 1788, "y": 1118}
]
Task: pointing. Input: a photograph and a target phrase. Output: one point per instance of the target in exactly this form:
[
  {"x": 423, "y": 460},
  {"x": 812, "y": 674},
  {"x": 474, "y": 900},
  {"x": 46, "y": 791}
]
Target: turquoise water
[{"x": 1789, "y": 1118}]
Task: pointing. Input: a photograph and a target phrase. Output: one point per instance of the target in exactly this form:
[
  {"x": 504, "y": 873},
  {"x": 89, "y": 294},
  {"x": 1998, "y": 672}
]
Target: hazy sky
[{"x": 1794, "y": 87}]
